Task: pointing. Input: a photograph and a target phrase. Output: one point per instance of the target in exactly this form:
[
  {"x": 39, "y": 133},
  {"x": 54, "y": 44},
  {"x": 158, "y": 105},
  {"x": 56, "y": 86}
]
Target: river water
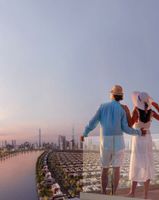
[{"x": 17, "y": 177}]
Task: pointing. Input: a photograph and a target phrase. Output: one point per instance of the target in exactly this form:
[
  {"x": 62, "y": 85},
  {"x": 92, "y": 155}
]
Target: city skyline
[{"x": 59, "y": 60}]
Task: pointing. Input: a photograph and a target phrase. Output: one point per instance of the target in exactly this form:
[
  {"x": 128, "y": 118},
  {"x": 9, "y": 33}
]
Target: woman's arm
[
  {"x": 134, "y": 117},
  {"x": 128, "y": 115},
  {"x": 156, "y": 106},
  {"x": 131, "y": 118},
  {"x": 155, "y": 115}
]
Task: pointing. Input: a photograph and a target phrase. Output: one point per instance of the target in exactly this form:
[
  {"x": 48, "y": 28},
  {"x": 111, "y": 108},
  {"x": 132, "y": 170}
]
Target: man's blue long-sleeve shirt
[{"x": 113, "y": 121}]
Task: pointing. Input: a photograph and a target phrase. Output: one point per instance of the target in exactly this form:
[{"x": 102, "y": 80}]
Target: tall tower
[
  {"x": 39, "y": 137},
  {"x": 73, "y": 138}
]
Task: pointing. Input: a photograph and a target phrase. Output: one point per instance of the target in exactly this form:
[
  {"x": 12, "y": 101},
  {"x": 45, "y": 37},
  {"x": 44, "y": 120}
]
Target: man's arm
[{"x": 92, "y": 123}]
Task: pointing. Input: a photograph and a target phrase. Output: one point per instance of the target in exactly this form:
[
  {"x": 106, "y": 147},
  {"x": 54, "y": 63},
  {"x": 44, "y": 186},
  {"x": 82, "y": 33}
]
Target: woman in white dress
[{"x": 141, "y": 162}]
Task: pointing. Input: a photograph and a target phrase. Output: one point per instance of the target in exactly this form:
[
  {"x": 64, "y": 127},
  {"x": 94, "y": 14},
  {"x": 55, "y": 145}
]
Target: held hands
[
  {"x": 82, "y": 138},
  {"x": 144, "y": 132}
]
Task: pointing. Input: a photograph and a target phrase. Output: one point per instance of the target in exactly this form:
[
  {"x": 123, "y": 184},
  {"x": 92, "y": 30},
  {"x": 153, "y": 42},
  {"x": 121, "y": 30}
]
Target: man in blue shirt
[{"x": 113, "y": 120}]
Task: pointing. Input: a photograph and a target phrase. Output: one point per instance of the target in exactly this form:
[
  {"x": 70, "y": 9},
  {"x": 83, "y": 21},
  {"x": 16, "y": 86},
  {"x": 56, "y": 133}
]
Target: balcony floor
[{"x": 153, "y": 193}]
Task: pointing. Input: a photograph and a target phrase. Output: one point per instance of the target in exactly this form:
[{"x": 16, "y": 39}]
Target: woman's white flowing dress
[{"x": 141, "y": 161}]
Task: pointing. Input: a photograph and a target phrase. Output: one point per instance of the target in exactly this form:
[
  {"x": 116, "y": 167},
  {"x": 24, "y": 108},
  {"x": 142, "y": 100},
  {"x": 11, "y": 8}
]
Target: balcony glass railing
[
  {"x": 80, "y": 170},
  {"x": 92, "y": 166}
]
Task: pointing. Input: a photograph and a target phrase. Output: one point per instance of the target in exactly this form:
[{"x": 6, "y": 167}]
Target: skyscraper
[
  {"x": 39, "y": 137},
  {"x": 13, "y": 143},
  {"x": 62, "y": 142},
  {"x": 73, "y": 138}
]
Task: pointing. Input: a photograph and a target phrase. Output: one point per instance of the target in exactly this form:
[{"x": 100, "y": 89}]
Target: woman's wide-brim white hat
[{"x": 139, "y": 99}]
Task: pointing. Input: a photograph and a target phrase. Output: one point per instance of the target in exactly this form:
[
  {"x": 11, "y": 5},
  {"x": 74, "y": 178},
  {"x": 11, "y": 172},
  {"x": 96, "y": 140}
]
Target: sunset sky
[{"x": 60, "y": 58}]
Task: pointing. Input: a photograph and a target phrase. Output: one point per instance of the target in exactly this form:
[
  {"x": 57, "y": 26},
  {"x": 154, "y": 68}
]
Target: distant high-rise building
[
  {"x": 13, "y": 143},
  {"x": 62, "y": 143},
  {"x": 2, "y": 143},
  {"x": 73, "y": 138},
  {"x": 39, "y": 137},
  {"x": 5, "y": 143},
  {"x": 70, "y": 145}
]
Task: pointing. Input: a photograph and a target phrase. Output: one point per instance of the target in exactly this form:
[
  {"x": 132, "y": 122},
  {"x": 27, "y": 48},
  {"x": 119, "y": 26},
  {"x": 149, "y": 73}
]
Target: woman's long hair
[{"x": 145, "y": 115}]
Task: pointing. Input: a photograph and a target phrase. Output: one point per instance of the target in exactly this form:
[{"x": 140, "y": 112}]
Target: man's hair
[{"x": 118, "y": 97}]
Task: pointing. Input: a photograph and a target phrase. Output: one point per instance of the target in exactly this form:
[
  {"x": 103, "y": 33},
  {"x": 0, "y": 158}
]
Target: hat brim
[{"x": 138, "y": 103}]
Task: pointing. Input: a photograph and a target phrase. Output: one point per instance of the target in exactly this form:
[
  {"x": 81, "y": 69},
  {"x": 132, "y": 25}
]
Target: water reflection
[{"x": 17, "y": 177}]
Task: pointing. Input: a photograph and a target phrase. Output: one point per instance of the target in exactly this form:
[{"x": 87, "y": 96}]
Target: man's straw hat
[{"x": 117, "y": 90}]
